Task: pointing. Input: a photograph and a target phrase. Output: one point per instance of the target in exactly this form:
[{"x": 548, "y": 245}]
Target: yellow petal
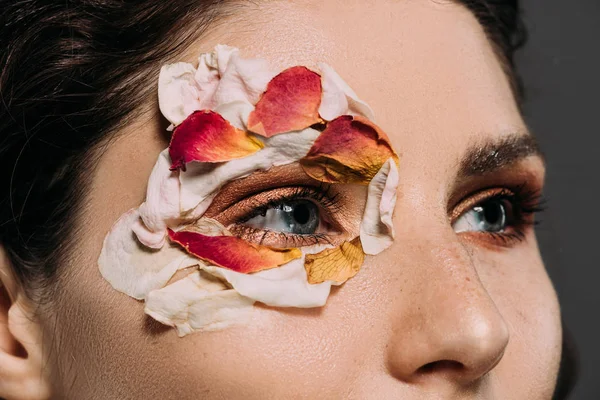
[{"x": 338, "y": 264}]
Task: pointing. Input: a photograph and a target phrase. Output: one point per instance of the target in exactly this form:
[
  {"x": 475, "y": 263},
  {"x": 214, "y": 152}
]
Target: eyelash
[
  {"x": 321, "y": 195},
  {"x": 524, "y": 204}
]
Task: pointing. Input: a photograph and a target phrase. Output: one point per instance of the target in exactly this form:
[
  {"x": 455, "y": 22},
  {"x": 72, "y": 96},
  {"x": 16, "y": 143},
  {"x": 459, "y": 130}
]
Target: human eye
[
  {"x": 500, "y": 215},
  {"x": 292, "y": 216}
]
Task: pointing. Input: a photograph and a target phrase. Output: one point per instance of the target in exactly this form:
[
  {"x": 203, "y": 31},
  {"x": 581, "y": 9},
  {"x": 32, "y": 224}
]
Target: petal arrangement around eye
[{"x": 231, "y": 117}]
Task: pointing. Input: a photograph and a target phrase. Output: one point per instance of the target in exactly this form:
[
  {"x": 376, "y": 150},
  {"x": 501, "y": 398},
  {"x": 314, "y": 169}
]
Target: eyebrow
[{"x": 491, "y": 156}]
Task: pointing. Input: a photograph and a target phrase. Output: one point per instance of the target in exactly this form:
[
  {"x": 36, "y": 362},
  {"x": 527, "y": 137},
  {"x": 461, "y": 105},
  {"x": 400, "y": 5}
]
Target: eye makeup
[
  {"x": 337, "y": 207},
  {"x": 278, "y": 184},
  {"x": 296, "y": 205},
  {"x": 500, "y": 216}
]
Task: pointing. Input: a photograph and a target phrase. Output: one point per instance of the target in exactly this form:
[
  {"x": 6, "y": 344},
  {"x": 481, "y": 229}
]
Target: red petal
[
  {"x": 350, "y": 150},
  {"x": 206, "y": 136},
  {"x": 290, "y": 103},
  {"x": 232, "y": 252}
]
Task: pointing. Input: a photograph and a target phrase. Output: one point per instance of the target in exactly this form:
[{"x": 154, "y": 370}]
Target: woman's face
[{"x": 453, "y": 309}]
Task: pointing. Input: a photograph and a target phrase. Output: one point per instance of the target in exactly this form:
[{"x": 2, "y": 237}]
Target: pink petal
[{"x": 290, "y": 103}]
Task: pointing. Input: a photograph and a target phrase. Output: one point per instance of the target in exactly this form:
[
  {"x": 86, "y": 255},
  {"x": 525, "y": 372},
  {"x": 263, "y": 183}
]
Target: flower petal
[
  {"x": 338, "y": 264},
  {"x": 242, "y": 80},
  {"x": 200, "y": 181},
  {"x": 207, "y": 80},
  {"x": 134, "y": 269},
  {"x": 161, "y": 205},
  {"x": 198, "y": 302},
  {"x": 206, "y": 136},
  {"x": 178, "y": 92},
  {"x": 339, "y": 98},
  {"x": 236, "y": 113},
  {"x": 286, "y": 286},
  {"x": 232, "y": 252},
  {"x": 290, "y": 103},
  {"x": 350, "y": 150},
  {"x": 376, "y": 228}
]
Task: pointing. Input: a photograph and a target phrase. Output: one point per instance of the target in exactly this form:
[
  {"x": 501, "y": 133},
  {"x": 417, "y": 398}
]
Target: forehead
[{"x": 425, "y": 67}]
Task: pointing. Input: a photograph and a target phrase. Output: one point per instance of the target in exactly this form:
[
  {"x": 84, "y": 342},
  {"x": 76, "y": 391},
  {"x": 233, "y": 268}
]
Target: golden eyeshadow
[
  {"x": 237, "y": 199},
  {"x": 472, "y": 201}
]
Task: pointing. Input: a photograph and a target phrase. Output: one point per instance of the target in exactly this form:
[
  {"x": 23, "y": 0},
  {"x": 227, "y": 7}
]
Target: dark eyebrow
[{"x": 491, "y": 156}]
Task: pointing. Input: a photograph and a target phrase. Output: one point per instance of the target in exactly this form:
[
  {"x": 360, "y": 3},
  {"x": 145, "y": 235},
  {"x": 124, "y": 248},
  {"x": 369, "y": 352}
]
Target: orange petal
[
  {"x": 206, "y": 136},
  {"x": 290, "y": 103},
  {"x": 232, "y": 252},
  {"x": 350, "y": 150},
  {"x": 338, "y": 264}
]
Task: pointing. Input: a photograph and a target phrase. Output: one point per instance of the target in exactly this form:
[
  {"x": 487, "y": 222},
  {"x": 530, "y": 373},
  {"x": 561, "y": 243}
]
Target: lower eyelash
[
  {"x": 525, "y": 204},
  {"x": 290, "y": 240}
]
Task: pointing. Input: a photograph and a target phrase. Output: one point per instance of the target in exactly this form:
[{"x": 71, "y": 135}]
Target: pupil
[
  {"x": 301, "y": 213},
  {"x": 494, "y": 216},
  {"x": 493, "y": 213}
]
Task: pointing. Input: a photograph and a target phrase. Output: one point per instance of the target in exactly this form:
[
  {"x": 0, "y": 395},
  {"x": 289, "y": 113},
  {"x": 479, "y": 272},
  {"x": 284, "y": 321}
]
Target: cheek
[
  {"x": 519, "y": 285},
  {"x": 281, "y": 352}
]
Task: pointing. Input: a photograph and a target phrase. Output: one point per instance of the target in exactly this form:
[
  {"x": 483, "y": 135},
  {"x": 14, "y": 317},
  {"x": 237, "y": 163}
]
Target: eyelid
[
  {"x": 523, "y": 204},
  {"x": 471, "y": 201},
  {"x": 252, "y": 205}
]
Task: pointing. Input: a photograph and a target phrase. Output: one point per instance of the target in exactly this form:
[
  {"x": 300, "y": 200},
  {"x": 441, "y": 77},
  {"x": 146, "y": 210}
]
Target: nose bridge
[{"x": 447, "y": 323}]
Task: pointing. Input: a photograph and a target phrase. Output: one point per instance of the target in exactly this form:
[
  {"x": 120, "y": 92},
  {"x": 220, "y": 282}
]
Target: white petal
[
  {"x": 236, "y": 113},
  {"x": 243, "y": 80},
  {"x": 132, "y": 268},
  {"x": 222, "y": 56},
  {"x": 376, "y": 228},
  {"x": 208, "y": 227},
  {"x": 207, "y": 80},
  {"x": 285, "y": 286},
  {"x": 198, "y": 302},
  {"x": 202, "y": 180},
  {"x": 178, "y": 92},
  {"x": 339, "y": 98},
  {"x": 161, "y": 205}
]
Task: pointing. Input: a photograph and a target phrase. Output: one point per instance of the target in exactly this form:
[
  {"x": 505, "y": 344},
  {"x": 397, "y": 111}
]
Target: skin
[{"x": 439, "y": 315}]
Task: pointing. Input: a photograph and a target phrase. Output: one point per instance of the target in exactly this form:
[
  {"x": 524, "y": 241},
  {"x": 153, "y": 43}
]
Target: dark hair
[{"x": 72, "y": 72}]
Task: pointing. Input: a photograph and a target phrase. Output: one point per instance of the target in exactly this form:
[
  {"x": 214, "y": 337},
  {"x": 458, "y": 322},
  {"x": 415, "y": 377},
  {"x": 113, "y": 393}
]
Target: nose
[{"x": 447, "y": 328}]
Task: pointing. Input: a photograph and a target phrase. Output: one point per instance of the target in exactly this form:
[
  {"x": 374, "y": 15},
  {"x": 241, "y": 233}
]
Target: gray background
[{"x": 560, "y": 66}]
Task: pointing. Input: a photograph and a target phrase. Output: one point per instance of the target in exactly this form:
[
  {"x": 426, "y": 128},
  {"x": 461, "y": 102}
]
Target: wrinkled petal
[
  {"x": 286, "y": 286},
  {"x": 242, "y": 80},
  {"x": 132, "y": 268},
  {"x": 198, "y": 302},
  {"x": 222, "y": 77},
  {"x": 221, "y": 57},
  {"x": 350, "y": 150},
  {"x": 339, "y": 98},
  {"x": 236, "y": 113},
  {"x": 290, "y": 103},
  {"x": 208, "y": 227},
  {"x": 161, "y": 205},
  {"x": 205, "y": 136},
  {"x": 376, "y": 228},
  {"x": 338, "y": 264},
  {"x": 178, "y": 92},
  {"x": 201, "y": 181},
  {"x": 207, "y": 80},
  {"x": 233, "y": 253}
]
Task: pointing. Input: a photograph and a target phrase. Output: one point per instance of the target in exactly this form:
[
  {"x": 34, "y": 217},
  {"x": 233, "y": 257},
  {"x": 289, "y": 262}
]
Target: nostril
[{"x": 441, "y": 366}]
